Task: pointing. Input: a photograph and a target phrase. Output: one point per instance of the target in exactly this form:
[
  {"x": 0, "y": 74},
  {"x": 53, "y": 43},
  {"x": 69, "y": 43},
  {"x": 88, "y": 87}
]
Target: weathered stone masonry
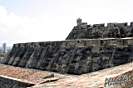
[
  {"x": 72, "y": 56},
  {"x": 87, "y": 49},
  {"x": 112, "y": 30}
]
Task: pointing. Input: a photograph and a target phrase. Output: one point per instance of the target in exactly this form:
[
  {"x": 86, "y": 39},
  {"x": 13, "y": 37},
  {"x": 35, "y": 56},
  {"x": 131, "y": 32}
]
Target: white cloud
[
  {"x": 17, "y": 29},
  {"x": 46, "y": 20}
]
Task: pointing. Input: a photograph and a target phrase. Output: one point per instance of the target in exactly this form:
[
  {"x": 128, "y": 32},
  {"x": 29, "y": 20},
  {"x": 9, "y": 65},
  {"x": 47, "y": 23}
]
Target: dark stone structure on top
[
  {"x": 86, "y": 49},
  {"x": 112, "y": 30}
]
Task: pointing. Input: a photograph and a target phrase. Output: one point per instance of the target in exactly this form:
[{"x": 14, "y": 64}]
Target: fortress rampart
[
  {"x": 86, "y": 49},
  {"x": 72, "y": 56},
  {"x": 112, "y": 30}
]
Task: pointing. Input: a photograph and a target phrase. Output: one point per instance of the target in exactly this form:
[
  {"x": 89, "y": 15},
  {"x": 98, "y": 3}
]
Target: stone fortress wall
[
  {"x": 112, "y": 30},
  {"x": 76, "y": 54},
  {"x": 72, "y": 57}
]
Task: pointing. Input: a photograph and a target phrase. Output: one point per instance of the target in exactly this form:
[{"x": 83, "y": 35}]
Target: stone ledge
[{"x": 9, "y": 82}]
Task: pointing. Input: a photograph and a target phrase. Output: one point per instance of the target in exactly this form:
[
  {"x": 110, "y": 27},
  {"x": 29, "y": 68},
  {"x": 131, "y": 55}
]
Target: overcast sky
[{"x": 49, "y": 20}]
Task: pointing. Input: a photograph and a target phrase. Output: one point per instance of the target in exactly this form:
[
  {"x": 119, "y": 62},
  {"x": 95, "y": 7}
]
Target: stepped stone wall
[
  {"x": 86, "y": 49},
  {"x": 72, "y": 56}
]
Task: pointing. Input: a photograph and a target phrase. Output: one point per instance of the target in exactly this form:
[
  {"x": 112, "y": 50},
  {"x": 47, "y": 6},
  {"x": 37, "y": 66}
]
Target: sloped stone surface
[
  {"x": 96, "y": 79},
  {"x": 73, "y": 56}
]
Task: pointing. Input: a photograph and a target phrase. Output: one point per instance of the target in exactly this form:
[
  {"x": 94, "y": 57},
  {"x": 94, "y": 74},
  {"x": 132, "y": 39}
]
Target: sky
[{"x": 52, "y": 20}]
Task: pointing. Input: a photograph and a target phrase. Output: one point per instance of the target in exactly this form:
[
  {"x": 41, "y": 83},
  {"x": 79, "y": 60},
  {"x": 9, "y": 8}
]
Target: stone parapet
[{"x": 112, "y": 30}]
